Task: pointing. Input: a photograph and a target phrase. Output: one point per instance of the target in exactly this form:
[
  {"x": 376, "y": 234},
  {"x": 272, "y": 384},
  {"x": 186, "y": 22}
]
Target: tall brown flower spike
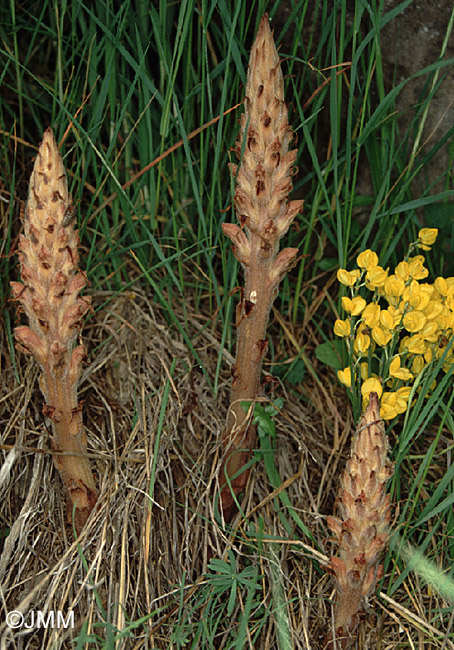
[
  {"x": 362, "y": 527},
  {"x": 49, "y": 295},
  {"x": 263, "y": 184}
]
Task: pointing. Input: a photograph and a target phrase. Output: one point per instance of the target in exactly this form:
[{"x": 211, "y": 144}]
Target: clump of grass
[
  {"x": 263, "y": 184},
  {"x": 50, "y": 296},
  {"x": 362, "y": 528}
]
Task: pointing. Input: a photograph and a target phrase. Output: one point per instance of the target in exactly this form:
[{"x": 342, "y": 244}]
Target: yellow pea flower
[
  {"x": 417, "y": 269},
  {"x": 441, "y": 286},
  {"x": 396, "y": 371},
  {"x": 353, "y": 306},
  {"x": 381, "y": 336},
  {"x": 450, "y": 299},
  {"x": 445, "y": 320},
  {"x": 402, "y": 271},
  {"x": 345, "y": 376},
  {"x": 427, "y": 236},
  {"x": 366, "y": 259},
  {"x": 404, "y": 392},
  {"x": 371, "y": 385},
  {"x": 386, "y": 319},
  {"x": 430, "y": 332},
  {"x": 418, "y": 299},
  {"x": 348, "y": 278},
  {"x": 418, "y": 364},
  {"x": 388, "y": 403},
  {"x": 361, "y": 343},
  {"x": 428, "y": 355},
  {"x": 401, "y": 404},
  {"x": 371, "y": 314},
  {"x": 396, "y": 314},
  {"x": 416, "y": 345},
  {"x": 376, "y": 276},
  {"x": 393, "y": 404},
  {"x": 342, "y": 327},
  {"x": 433, "y": 309},
  {"x": 414, "y": 320},
  {"x": 394, "y": 286}
]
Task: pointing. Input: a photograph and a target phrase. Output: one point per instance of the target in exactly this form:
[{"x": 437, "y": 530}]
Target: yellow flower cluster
[{"x": 406, "y": 325}]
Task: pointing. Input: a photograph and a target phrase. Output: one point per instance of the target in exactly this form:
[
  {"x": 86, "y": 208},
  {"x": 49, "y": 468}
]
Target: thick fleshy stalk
[
  {"x": 263, "y": 184},
  {"x": 49, "y": 295}
]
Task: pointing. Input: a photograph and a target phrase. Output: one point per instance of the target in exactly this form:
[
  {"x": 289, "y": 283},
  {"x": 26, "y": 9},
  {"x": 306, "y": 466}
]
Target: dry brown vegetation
[{"x": 138, "y": 553}]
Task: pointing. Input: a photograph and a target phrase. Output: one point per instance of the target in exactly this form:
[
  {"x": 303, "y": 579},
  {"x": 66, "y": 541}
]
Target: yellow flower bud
[
  {"x": 364, "y": 370},
  {"x": 366, "y": 259},
  {"x": 428, "y": 236}
]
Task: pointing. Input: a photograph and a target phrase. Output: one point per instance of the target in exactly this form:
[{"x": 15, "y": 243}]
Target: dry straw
[
  {"x": 362, "y": 527},
  {"x": 49, "y": 295},
  {"x": 263, "y": 184}
]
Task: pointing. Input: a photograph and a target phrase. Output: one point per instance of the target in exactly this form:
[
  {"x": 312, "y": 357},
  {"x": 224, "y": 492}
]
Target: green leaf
[{"x": 330, "y": 353}]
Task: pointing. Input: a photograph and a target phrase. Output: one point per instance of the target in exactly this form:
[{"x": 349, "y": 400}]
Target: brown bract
[
  {"x": 361, "y": 529},
  {"x": 50, "y": 297},
  {"x": 263, "y": 183}
]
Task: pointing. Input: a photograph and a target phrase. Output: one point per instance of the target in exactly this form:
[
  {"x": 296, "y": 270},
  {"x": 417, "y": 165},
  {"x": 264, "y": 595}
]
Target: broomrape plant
[
  {"x": 49, "y": 295},
  {"x": 361, "y": 530},
  {"x": 263, "y": 184}
]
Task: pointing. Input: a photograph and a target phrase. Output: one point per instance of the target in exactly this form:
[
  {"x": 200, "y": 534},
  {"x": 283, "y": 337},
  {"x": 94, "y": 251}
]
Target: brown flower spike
[
  {"x": 263, "y": 184},
  {"x": 362, "y": 527},
  {"x": 49, "y": 295}
]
